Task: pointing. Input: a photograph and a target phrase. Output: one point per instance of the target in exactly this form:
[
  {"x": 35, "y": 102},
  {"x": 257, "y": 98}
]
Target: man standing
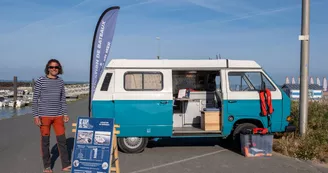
[{"x": 49, "y": 108}]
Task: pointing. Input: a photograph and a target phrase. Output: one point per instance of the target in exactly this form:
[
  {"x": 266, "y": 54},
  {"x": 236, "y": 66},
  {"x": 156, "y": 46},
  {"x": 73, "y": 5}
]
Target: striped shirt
[{"x": 49, "y": 97}]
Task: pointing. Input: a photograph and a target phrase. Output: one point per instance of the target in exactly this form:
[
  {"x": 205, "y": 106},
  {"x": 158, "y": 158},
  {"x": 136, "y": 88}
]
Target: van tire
[
  {"x": 238, "y": 130},
  {"x": 136, "y": 146}
]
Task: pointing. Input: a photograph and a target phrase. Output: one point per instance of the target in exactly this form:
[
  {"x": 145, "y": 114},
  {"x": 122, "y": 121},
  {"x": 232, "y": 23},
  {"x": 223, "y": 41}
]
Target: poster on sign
[{"x": 92, "y": 145}]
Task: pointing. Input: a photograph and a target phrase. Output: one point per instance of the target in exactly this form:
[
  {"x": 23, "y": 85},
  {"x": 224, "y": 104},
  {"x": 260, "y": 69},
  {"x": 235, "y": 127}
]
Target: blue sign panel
[{"x": 92, "y": 145}]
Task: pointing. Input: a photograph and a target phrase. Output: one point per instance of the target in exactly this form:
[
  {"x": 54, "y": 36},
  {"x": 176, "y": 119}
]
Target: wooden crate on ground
[{"x": 211, "y": 120}]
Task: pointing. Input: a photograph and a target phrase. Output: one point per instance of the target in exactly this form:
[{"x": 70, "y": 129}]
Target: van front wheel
[
  {"x": 132, "y": 144},
  {"x": 238, "y": 130}
]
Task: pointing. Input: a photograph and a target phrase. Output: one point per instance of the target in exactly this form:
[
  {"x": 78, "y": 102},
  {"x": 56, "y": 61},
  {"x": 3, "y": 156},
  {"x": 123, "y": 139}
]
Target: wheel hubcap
[{"x": 132, "y": 142}]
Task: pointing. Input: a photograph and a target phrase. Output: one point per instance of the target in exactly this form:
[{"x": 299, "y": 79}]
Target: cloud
[
  {"x": 258, "y": 14},
  {"x": 242, "y": 17},
  {"x": 75, "y": 21},
  {"x": 65, "y": 32},
  {"x": 228, "y": 7},
  {"x": 48, "y": 18},
  {"x": 140, "y": 3},
  {"x": 96, "y": 16}
]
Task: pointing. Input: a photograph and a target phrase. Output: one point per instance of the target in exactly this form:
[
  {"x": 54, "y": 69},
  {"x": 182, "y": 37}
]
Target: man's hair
[{"x": 60, "y": 70}]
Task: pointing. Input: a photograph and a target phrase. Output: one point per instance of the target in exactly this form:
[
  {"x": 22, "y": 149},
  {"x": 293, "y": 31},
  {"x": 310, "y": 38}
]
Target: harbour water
[
  {"x": 8, "y": 112},
  {"x": 24, "y": 99}
]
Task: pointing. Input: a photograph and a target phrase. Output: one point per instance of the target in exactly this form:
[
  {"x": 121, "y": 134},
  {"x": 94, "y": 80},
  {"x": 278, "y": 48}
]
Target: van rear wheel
[{"x": 132, "y": 144}]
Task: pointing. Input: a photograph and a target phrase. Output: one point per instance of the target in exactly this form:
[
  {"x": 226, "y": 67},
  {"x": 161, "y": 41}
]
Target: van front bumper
[{"x": 290, "y": 128}]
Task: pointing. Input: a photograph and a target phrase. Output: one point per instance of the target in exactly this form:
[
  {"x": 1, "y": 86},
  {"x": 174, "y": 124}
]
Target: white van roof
[{"x": 181, "y": 64}]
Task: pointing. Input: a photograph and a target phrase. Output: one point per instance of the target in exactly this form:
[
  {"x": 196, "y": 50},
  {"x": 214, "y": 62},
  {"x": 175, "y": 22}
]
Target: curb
[{"x": 310, "y": 162}]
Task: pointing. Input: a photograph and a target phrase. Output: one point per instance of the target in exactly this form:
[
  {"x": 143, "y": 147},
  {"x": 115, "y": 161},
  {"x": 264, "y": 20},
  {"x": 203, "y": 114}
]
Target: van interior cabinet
[
  {"x": 187, "y": 113},
  {"x": 198, "y": 100},
  {"x": 192, "y": 113},
  {"x": 210, "y": 120},
  {"x": 177, "y": 120}
]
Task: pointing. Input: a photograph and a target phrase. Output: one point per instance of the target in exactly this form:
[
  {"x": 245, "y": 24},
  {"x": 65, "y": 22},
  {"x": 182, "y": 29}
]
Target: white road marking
[{"x": 179, "y": 161}]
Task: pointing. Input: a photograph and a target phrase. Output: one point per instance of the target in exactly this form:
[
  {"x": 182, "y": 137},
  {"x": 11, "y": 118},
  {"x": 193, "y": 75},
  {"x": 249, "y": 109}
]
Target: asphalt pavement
[{"x": 20, "y": 153}]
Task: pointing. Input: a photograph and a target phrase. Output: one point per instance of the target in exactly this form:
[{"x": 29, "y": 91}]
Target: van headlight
[{"x": 289, "y": 119}]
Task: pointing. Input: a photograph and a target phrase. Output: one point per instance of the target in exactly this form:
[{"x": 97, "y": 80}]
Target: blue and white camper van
[{"x": 186, "y": 98}]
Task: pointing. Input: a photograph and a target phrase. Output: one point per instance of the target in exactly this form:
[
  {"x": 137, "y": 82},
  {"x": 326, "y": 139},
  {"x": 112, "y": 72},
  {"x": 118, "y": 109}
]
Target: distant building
[
  {"x": 325, "y": 95},
  {"x": 293, "y": 91}
]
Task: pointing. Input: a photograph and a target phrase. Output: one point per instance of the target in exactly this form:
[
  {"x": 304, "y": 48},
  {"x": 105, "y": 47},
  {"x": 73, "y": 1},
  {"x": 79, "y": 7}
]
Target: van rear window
[
  {"x": 105, "y": 84},
  {"x": 143, "y": 81}
]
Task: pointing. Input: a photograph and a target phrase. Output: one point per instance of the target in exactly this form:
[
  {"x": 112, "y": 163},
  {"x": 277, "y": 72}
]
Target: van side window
[
  {"x": 153, "y": 81},
  {"x": 106, "y": 82},
  {"x": 143, "y": 81},
  {"x": 248, "y": 81},
  {"x": 133, "y": 81}
]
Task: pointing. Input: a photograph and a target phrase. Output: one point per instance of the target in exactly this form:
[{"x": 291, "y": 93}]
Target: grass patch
[{"x": 314, "y": 144}]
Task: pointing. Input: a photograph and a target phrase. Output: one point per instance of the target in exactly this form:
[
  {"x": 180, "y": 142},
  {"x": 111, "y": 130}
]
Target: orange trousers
[{"x": 58, "y": 124}]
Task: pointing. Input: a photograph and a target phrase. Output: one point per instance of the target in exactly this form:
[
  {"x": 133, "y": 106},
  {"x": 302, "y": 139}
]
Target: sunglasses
[{"x": 52, "y": 67}]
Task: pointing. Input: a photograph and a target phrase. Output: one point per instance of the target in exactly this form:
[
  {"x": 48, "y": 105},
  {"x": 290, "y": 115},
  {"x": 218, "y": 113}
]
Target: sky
[{"x": 33, "y": 31}]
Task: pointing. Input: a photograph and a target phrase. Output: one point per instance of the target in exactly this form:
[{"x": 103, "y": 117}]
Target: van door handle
[
  {"x": 232, "y": 101},
  {"x": 164, "y": 102}
]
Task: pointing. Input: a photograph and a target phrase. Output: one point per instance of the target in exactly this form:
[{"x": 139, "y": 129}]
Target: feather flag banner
[{"x": 102, "y": 41}]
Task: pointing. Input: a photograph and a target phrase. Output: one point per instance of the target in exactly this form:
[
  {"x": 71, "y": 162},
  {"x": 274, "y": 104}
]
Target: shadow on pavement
[
  {"x": 194, "y": 142},
  {"x": 55, "y": 152}
]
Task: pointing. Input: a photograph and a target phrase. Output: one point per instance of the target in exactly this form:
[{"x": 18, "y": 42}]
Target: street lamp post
[
  {"x": 159, "y": 47},
  {"x": 304, "y": 37}
]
